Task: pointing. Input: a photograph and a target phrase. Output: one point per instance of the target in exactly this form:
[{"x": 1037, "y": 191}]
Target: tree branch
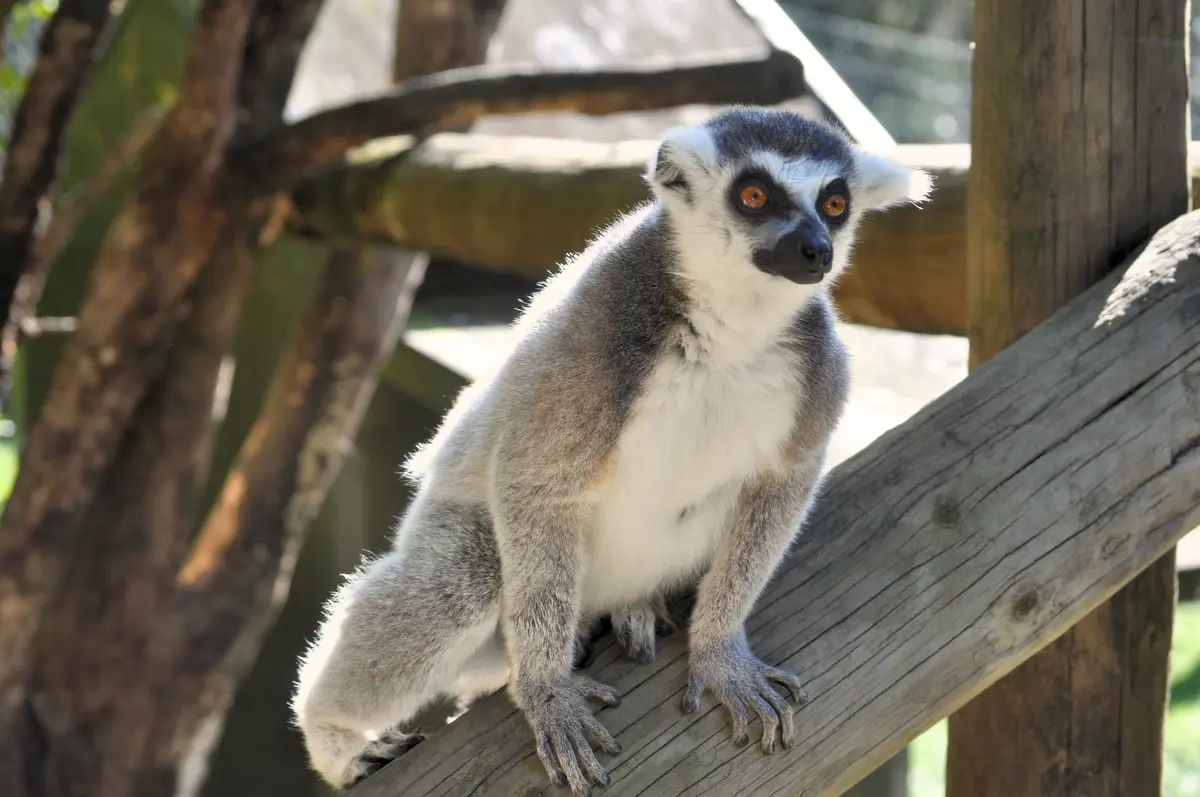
[
  {"x": 274, "y": 42},
  {"x": 6, "y": 8},
  {"x": 457, "y": 97},
  {"x": 462, "y": 32},
  {"x": 226, "y": 601},
  {"x": 65, "y": 215},
  {"x": 239, "y": 570},
  {"x": 523, "y": 203},
  {"x": 65, "y": 57},
  {"x": 936, "y": 560}
]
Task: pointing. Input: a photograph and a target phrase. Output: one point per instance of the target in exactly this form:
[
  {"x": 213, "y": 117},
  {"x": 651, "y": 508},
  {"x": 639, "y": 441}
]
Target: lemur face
[
  {"x": 781, "y": 194},
  {"x": 791, "y": 217}
]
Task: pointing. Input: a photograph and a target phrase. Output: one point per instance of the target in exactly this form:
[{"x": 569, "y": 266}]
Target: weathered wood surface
[
  {"x": 937, "y": 559},
  {"x": 524, "y": 203},
  {"x": 1079, "y": 132}
]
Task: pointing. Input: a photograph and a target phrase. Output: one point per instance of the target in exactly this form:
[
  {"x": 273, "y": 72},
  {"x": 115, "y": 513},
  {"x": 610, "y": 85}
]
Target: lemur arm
[
  {"x": 769, "y": 512},
  {"x": 541, "y": 564},
  {"x": 540, "y": 534}
]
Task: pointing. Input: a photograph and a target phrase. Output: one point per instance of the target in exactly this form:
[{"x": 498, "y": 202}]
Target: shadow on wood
[{"x": 938, "y": 559}]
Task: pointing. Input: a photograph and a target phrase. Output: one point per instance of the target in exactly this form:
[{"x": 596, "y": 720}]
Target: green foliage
[
  {"x": 21, "y": 35},
  {"x": 8, "y": 467}
]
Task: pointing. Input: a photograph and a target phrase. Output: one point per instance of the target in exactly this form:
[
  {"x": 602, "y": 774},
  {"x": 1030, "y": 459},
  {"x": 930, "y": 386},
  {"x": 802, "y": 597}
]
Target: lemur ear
[
  {"x": 882, "y": 183},
  {"x": 682, "y": 150}
]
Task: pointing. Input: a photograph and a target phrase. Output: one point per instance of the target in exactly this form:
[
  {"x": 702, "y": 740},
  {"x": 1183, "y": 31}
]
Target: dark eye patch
[
  {"x": 755, "y": 195},
  {"x": 828, "y": 208}
]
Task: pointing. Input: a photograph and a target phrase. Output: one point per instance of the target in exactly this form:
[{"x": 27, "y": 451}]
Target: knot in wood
[
  {"x": 1025, "y": 605},
  {"x": 946, "y": 512}
]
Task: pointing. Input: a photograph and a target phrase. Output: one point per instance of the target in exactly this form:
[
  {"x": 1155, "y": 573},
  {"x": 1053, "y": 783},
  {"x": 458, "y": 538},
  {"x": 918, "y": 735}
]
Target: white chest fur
[{"x": 698, "y": 431}]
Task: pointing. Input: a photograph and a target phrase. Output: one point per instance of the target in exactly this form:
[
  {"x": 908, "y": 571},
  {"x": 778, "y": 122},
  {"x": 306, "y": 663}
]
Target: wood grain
[
  {"x": 523, "y": 203},
  {"x": 1080, "y": 143},
  {"x": 936, "y": 560}
]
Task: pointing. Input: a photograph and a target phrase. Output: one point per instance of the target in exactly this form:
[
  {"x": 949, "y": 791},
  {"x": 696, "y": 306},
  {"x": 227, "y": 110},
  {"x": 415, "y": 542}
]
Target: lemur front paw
[
  {"x": 744, "y": 684},
  {"x": 562, "y": 720},
  {"x": 379, "y": 753},
  {"x": 636, "y": 628}
]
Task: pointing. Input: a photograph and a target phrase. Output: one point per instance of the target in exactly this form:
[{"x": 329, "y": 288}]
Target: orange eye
[
  {"x": 835, "y": 205},
  {"x": 753, "y": 197}
]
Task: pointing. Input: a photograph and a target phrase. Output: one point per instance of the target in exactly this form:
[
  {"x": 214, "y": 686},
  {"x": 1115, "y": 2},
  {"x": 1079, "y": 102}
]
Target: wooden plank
[
  {"x": 889, "y": 780},
  {"x": 917, "y": 585},
  {"x": 1079, "y": 137}
]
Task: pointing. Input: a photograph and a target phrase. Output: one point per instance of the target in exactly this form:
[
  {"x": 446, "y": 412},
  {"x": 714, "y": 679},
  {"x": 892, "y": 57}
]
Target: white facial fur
[{"x": 688, "y": 175}]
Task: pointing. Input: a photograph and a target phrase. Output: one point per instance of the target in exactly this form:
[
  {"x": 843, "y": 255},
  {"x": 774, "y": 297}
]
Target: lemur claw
[
  {"x": 378, "y": 754},
  {"x": 562, "y": 721},
  {"x": 637, "y": 627},
  {"x": 746, "y": 687}
]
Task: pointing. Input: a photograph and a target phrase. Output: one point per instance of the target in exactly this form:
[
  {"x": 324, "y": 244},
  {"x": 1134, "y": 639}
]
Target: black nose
[
  {"x": 804, "y": 255},
  {"x": 817, "y": 250}
]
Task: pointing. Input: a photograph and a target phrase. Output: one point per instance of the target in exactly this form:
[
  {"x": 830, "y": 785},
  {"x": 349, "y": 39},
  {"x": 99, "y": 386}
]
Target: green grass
[
  {"x": 1183, "y": 722},
  {"x": 8, "y": 469},
  {"x": 927, "y": 754}
]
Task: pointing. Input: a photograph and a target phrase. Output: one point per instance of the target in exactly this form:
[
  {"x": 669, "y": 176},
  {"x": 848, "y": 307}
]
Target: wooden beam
[
  {"x": 523, "y": 203},
  {"x": 917, "y": 583},
  {"x": 1079, "y": 135}
]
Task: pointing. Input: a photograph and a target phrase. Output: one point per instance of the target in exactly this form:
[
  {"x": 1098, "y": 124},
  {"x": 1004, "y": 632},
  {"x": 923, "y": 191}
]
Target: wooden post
[
  {"x": 889, "y": 780},
  {"x": 1079, "y": 153}
]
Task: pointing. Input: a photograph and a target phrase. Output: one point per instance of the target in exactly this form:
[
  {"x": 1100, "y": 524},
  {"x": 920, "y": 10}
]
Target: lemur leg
[
  {"x": 412, "y": 626},
  {"x": 636, "y": 627},
  {"x": 487, "y": 671}
]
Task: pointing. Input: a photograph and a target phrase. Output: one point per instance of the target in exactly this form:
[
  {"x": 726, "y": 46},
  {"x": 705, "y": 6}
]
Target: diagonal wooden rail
[{"x": 938, "y": 559}]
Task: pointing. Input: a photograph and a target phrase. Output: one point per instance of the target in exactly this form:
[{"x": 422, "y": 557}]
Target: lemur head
[{"x": 773, "y": 195}]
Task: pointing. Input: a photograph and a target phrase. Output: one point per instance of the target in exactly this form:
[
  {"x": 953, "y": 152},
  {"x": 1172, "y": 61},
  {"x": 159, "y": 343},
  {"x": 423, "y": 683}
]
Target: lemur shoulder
[{"x": 661, "y": 424}]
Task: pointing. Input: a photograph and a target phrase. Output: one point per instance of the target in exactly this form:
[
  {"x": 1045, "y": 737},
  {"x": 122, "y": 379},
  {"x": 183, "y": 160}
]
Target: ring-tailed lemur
[{"x": 662, "y": 421}]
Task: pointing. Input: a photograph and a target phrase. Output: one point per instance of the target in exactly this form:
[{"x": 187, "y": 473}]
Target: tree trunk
[
  {"x": 103, "y": 651},
  {"x": 32, "y": 158},
  {"x": 108, "y": 364},
  {"x": 1080, "y": 151}
]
